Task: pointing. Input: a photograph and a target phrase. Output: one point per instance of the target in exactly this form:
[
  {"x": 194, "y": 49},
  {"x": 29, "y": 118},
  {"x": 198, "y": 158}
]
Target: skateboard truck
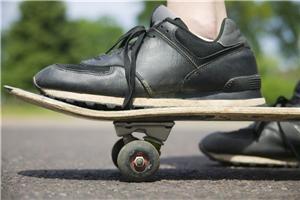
[{"x": 156, "y": 132}]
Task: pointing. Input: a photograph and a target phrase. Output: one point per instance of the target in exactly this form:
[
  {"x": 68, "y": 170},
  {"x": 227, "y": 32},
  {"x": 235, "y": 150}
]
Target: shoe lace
[
  {"x": 125, "y": 42},
  {"x": 287, "y": 142},
  {"x": 259, "y": 127}
]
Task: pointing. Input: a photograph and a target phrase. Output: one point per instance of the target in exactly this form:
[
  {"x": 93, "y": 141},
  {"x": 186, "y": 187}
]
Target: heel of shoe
[{"x": 243, "y": 98}]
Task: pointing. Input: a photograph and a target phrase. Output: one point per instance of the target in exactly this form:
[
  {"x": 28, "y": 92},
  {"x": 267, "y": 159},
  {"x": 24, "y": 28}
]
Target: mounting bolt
[{"x": 139, "y": 161}]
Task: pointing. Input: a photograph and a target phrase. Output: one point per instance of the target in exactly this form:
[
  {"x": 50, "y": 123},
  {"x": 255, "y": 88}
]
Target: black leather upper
[
  {"x": 166, "y": 65},
  {"x": 267, "y": 139},
  {"x": 245, "y": 141}
]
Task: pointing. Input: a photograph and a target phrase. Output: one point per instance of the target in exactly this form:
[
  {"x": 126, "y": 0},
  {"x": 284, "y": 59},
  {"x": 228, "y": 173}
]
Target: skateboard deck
[{"x": 163, "y": 114}]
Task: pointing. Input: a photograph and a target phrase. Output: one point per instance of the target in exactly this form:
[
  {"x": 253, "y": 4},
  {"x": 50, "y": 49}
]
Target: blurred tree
[
  {"x": 149, "y": 6},
  {"x": 33, "y": 42},
  {"x": 275, "y": 21},
  {"x": 44, "y": 36},
  {"x": 279, "y": 20}
]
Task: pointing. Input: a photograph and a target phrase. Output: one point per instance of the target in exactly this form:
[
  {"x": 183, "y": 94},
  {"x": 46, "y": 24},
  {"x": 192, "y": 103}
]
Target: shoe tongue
[{"x": 161, "y": 13}]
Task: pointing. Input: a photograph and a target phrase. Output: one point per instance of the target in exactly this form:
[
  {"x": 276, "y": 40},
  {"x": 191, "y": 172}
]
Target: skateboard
[{"x": 138, "y": 159}]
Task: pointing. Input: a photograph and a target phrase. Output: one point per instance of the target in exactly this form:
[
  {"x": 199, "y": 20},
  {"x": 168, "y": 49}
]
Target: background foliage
[{"x": 43, "y": 36}]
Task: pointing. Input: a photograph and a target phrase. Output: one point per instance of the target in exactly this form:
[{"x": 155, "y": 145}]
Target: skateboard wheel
[
  {"x": 115, "y": 151},
  {"x": 138, "y": 160}
]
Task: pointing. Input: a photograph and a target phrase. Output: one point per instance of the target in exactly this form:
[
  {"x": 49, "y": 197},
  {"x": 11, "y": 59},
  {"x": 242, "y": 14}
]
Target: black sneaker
[
  {"x": 163, "y": 66},
  {"x": 262, "y": 143}
]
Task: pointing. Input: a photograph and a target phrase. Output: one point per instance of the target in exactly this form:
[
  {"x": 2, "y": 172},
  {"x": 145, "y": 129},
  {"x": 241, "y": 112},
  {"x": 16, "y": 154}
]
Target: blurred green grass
[{"x": 277, "y": 86}]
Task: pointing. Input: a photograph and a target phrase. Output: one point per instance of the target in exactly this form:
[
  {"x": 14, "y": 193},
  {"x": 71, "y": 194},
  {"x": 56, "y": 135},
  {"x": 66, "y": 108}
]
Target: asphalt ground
[{"x": 68, "y": 158}]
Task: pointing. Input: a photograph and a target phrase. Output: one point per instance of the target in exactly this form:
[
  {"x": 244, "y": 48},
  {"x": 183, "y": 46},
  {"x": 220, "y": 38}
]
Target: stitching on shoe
[
  {"x": 110, "y": 71},
  {"x": 239, "y": 45},
  {"x": 145, "y": 84},
  {"x": 176, "y": 47},
  {"x": 203, "y": 67}
]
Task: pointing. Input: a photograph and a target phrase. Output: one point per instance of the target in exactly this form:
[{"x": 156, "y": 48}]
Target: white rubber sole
[
  {"x": 252, "y": 160},
  {"x": 152, "y": 102}
]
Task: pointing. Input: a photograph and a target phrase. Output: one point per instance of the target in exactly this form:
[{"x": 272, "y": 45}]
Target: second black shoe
[
  {"x": 163, "y": 66},
  {"x": 262, "y": 143}
]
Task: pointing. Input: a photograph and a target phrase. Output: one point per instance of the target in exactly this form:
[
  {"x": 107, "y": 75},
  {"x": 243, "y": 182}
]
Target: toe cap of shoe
[
  {"x": 211, "y": 143},
  {"x": 227, "y": 142},
  {"x": 80, "y": 79},
  {"x": 47, "y": 77}
]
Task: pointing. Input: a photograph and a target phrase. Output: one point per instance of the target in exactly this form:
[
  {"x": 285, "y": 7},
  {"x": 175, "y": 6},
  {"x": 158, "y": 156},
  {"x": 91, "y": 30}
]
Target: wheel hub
[{"x": 139, "y": 162}]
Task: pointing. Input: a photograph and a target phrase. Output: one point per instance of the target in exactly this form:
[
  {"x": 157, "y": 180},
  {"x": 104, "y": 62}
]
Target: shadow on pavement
[{"x": 176, "y": 168}]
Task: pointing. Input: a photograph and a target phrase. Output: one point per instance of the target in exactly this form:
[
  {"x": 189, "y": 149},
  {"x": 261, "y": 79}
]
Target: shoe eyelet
[
  {"x": 167, "y": 31},
  {"x": 161, "y": 26}
]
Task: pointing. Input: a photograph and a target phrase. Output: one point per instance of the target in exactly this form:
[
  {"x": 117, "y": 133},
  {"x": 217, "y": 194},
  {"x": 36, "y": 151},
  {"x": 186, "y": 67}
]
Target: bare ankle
[{"x": 204, "y": 19}]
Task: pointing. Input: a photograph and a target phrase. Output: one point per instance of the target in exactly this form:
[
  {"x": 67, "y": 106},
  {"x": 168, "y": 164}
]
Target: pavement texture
[{"x": 68, "y": 158}]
